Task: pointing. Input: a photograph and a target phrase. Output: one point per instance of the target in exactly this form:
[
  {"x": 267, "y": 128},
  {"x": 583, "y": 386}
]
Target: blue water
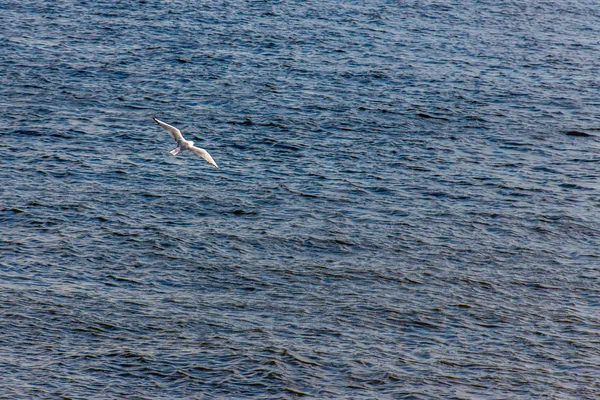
[{"x": 406, "y": 206}]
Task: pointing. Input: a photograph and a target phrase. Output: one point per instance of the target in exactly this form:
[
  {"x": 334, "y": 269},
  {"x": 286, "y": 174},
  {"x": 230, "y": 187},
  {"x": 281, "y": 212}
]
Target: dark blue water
[{"x": 406, "y": 207}]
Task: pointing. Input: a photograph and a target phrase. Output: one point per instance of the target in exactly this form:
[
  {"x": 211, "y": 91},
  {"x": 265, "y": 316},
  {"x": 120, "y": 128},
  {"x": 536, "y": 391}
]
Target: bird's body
[{"x": 183, "y": 145}]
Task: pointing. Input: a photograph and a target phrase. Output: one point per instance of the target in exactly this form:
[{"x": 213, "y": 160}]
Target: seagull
[{"x": 183, "y": 144}]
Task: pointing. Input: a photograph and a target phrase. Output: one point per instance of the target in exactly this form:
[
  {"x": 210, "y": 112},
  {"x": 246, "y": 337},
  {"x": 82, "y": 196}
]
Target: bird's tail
[{"x": 175, "y": 151}]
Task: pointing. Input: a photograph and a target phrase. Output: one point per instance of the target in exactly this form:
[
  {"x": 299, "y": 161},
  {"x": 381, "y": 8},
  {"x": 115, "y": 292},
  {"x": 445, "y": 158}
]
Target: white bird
[{"x": 183, "y": 144}]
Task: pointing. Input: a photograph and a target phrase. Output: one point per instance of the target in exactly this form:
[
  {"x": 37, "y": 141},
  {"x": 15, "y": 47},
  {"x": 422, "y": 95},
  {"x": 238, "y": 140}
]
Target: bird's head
[{"x": 190, "y": 143}]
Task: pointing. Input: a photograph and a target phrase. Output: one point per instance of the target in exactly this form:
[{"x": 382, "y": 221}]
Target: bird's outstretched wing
[
  {"x": 204, "y": 154},
  {"x": 174, "y": 132}
]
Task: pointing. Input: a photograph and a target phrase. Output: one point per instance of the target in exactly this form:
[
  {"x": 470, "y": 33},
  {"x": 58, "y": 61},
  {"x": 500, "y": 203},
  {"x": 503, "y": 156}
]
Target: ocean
[{"x": 406, "y": 205}]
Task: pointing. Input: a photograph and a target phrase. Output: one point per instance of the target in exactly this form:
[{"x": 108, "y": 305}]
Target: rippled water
[{"x": 406, "y": 206}]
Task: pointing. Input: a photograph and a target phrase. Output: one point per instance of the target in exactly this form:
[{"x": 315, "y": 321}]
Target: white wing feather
[
  {"x": 174, "y": 132},
  {"x": 204, "y": 154}
]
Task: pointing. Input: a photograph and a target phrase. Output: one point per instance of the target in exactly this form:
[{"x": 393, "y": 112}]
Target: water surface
[{"x": 406, "y": 205}]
